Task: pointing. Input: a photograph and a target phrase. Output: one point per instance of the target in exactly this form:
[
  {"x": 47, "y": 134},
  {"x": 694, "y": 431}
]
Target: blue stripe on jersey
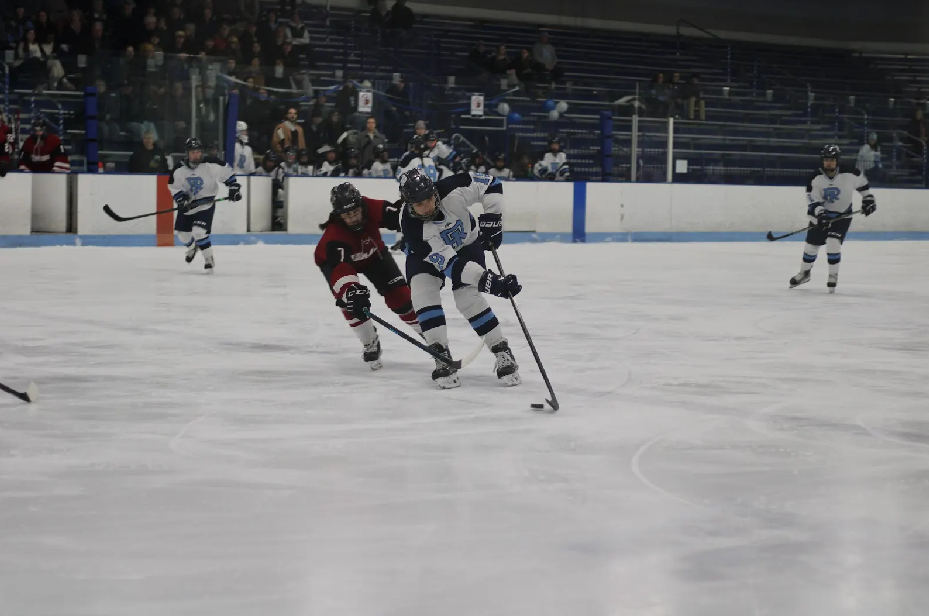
[
  {"x": 431, "y": 312},
  {"x": 808, "y": 258}
]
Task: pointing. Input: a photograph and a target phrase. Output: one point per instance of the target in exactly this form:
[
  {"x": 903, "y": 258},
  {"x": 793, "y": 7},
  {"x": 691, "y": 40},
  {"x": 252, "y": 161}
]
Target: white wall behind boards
[{"x": 15, "y": 200}]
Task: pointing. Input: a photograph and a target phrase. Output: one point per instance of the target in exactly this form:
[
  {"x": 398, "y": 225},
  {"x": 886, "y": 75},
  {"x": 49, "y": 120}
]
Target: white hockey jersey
[
  {"x": 379, "y": 170},
  {"x": 441, "y": 150},
  {"x": 326, "y": 169},
  {"x": 298, "y": 169},
  {"x": 201, "y": 182},
  {"x": 244, "y": 159},
  {"x": 553, "y": 167},
  {"x": 438, "y": 241},
  {"x": 501, "y": 174},
  {"x": 411, "y": 161},
  {"x": 836, "y": 194},
  {"x": 472, "y": 168}
]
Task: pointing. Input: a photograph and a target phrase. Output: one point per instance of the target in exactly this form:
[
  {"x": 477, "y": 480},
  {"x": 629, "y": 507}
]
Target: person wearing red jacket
[
  {"x": 7, "y": 143},
  {"x": 43, "y": 152},
  {"x": 351, "y": 245}
]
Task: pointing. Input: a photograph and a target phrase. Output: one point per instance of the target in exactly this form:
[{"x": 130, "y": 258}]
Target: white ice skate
[
  {"x": 799, "y": 279},
  {"x": 191, "y": 252},
  {"x": 372, "y": 354},
  {"x": 444, "y": 375},
  {"x": 506, "y": 368},
  {"x": 833, "y": 281},
  {"x": 209, "y": 264}
]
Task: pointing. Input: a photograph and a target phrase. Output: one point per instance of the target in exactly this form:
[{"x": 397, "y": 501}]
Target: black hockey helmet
[
  {"x": 477, "y": 157},
  {"x": 351, "y": 153},
  {"x": 346, "y": 198},
  {"x": 40, "y": 124},
  {"x": 270, "y": 160},
  {"x": 379, "y": 149},
  {"x": 416, "y": 187},
  {"x": 554, "y": 141},
  {"x": 500, "y": 157},
  {"x": 830, "y": 151},
  {"x": 432, "y": 136},
  {"x": 417, "y": 144},
  {"x": 193, "y": 144},
  {"x": 303, "y": 155}
]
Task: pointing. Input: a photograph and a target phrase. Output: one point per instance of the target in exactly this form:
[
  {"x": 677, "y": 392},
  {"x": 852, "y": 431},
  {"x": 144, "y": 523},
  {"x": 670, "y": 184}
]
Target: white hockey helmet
[{"x": 241, "y": 131}]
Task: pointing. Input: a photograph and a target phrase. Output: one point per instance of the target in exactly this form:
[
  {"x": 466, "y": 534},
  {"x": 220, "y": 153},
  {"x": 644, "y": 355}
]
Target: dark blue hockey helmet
[
  {"x": 416, "y": 145},
  {"x": 416, "y": 187},
  {"x": 193, "y": 145},
  {"x": 832, "y": 152}
]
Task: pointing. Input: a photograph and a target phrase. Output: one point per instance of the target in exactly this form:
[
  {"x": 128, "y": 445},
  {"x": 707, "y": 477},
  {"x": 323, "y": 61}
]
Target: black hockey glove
[
  {"x": 235, "y": 192},
  {"x": 399, "y": 245},
  {"x": 501, "y": 286},
  {"x": 182, "y": 200},
  {"x": 868, "y": 206},
  {"x": 357, "y": 300},
  {"x": 491, "y": 230},
  {"x": 817, "y": 213}
]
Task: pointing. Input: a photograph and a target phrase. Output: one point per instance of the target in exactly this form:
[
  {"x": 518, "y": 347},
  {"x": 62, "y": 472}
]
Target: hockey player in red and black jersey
[
  {"x": 7, "y": 145},
  {"x": 43, "y": 152},
  {"x": 352, "y": 245}
]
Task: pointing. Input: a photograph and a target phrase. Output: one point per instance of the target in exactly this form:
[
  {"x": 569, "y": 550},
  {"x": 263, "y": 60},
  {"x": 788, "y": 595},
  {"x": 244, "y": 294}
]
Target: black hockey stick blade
[
  {"x": 30, "y": 395},
  {"x": 538, "y": 360},
  {"x": 454, "y": 363}
]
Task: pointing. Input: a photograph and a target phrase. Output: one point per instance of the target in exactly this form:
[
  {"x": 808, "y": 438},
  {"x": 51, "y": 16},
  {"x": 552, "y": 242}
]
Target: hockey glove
[
  {"x": 357, "y": 300},
  {"x": 817, "y": 214},
  {"x": 400, "y": 245},
  {"x": 182, "y": 200},
  {"x": 868, "y": 206},
  {"x": 501, "y": 286},
  {"x": 235, "y": 192},
  {"x": 3, "y": 167},
  {"x": 491, "y": 230}
]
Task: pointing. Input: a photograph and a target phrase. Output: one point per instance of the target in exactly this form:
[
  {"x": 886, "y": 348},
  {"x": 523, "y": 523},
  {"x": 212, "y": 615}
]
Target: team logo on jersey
[
  {"x": 368, "y": 249},
  {"x": 454, "y": 236},
  {"x": 831, "y": 194},
  {"x": 196, "y": 185}
]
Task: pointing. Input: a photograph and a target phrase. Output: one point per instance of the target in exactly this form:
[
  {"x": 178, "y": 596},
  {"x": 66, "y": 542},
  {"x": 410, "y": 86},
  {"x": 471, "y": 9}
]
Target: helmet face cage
[
  {"x": 346, "y": 198},
  {"x": 193, "y": 144},
  {"x": 416, "y": 187},
  {"x": 830, "y": 151},
  {"x": 417, "y": 145}
]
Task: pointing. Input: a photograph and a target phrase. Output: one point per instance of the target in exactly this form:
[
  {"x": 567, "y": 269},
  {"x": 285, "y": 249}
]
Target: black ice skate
[
  {"x": 506, "y": 368},
  {"x": 208, "y": 264},
  {"x": 833, "y": 281},
  {"x": 444, "y": 375},
  {"x": 191, "y": 252},
  {"x": 372, "y": 354},
  {"x": 799, "y": 279}
]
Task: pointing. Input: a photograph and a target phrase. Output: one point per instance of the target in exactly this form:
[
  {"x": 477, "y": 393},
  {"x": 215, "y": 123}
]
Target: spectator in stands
[
  {"x": 208, "y": 27},
  {"x": 256, "y": 72},
  {"x": 657, "y": 100},
  {"x": 297, "y": 32},
  {"x": 321, "y": 106},
  {"x": 43, "y": 27},
  {"x": 209, "y": 48},
  {"x": 545, "y": 58},
  {"x": 127, "y": 27},
  {"x": 265, "y": 32},
  {"x": 129, "y": 110},
  {"x": 233, "y": 50},
  {"x": 221, "y": 39},
  {"x": 99, "y": 13},
  {"x": 148, "y": 157},
  {"x": 478, "y": 59},
  {"x": 315, "y": 133},
  {"x": 75, "y": 40},
  {"x": 379, "y": 17},
  {"x": 178, "y": 112},
  {"x": 370, "y": 139},
  {"x": 334, "y": 127},
  {"x": 401, "y": 16},
  {"x": 499, "y": 64},
  {"x": 175, "y": 19},
  {"x": 397, "y": 114},
  {"x": 346, "y": 101},
  {"x": 29, "y": 54},
  {"x": 522, "y": 168},
  {"x": 179, "y": 44},
  {"x": 19, "y": 23},
  {"x": 916, "y": 136},
  {"x": 150, "y": 30},
  {"x": 107, "y": 111},
  {"x": 692, "y": 96},
  {"x": 279, "y": 77},
  {"x": 676, "y": 93},
  {"x": 288, "y": 133},
  {"x": 252, "y": 52},
  {"x": 869, "y": 158},
  {"x": 290, "y": 57},
  {"x": 522, "y": 66},
  {"x": 248, "y": 38},
  {"x": 420, "y": 129}
]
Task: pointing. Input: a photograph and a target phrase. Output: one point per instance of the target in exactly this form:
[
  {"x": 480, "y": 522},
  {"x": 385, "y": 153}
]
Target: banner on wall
[{"x": 365, "y": 101}]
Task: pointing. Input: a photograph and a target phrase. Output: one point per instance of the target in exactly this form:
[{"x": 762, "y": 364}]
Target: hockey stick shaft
[
  {"x": 453, "y": 363},
  {"x": 774, "y": 238},
  {"x": 21, "y": 395},
  {"x": 109, "y": 212},
  {"x": 554, "y": 401}
]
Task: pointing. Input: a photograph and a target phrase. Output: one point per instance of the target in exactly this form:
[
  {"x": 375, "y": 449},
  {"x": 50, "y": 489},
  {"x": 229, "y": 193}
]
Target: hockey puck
[{"x": 537, "y": 406}]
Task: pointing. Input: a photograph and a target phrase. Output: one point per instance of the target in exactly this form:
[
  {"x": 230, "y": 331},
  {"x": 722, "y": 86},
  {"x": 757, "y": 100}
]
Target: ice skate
[
  {"x": 799, "y": 279},
  {"x": 209, "y": 264},
  {"x": 833, "y": 281},
  {"x": 506, "y": 368},
  {"x": 372, "y": 354},
  {"x": 191, "y": 253},
  {"x": 444, "y": 375}
]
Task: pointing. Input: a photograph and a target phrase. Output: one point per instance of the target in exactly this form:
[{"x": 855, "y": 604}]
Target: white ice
[{"x": 214, "y": 445}]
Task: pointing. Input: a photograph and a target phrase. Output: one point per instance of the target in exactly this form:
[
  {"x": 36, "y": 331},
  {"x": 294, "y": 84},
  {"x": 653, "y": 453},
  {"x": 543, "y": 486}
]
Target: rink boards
[{"x": 40, "y": 209}]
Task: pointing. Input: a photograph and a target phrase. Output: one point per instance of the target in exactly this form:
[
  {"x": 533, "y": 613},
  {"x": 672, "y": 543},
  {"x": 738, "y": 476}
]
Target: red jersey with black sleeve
[
  {"x": 342, "y": 254},
  {"x": 44, "y": 155}
]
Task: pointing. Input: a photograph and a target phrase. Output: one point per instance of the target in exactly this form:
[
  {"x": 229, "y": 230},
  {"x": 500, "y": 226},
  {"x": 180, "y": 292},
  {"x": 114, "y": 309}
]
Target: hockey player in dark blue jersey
[{"x": 443, "y": 241}]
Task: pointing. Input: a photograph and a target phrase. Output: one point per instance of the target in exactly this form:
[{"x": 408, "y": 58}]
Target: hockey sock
[
  {"x": 205, "y": 246},
  {"x": 809, "y": 257},
  {"x": 186, "y": 238},
  {"x": 834, "y": 255},
  {"x": 363, "y": 328},
  {"x": 474, "y": 307},
  {"x": 398, "y": 300},
  {"x": 432, "y": 321}
]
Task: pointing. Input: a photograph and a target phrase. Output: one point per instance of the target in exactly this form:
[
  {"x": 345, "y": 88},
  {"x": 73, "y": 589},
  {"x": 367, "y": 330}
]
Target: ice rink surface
[{"x": 214, "y": 445}]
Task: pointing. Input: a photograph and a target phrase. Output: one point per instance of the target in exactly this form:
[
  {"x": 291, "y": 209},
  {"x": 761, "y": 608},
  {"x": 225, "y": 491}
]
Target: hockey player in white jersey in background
[
  {"x": 329, "y": 165},
  {"x": 444, "y": 242},
  {"x": 477, "y": 163},
  {"x": 244, "y": 157},
  {"x": 380, "y": 167},
  {"x": 447, "y": 160},
  {"x": 554, "y": 164},
  {"x": 415, "y": 158},
  {"x": 830, "y": 195},
  {"x": 500, "y": 170},
  {"x": 194, "y": 185}
]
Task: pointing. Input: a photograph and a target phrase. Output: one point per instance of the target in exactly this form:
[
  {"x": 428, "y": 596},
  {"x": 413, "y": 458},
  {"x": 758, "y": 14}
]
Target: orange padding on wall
[{"x": 164, "y": 223}]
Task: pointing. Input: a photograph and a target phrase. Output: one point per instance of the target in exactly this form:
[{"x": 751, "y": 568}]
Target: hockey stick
[
  {"x": 109, "y": 212},
  {"x": 453, "y": 363},
  {"x": 554, "y": 401},
  {"x": 30, "y": 395},
  {"x": 774, "y": 238}
]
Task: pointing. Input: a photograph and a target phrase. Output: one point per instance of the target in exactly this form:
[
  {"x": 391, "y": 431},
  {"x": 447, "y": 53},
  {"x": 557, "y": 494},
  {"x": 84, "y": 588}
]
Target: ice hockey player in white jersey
[
  {"x": 554, "y": 165},
  {"x": 447, "y": 160},
  {"x": 500, "y": 170},
  {"x": 271, "y": 166},
  {"x": 194, "y": 184},
  {"x": 380, "y": 167},
  {"x": 330, "y": 162},
  {"x": 415, "y": 158},
  {"x": 244, "y": 157},
  {"x": 444, "y": 242},
  {"x": 830, "y": 196},
  {"x": 302, "y": 165},
  {"x": 477, "y": 163}
]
